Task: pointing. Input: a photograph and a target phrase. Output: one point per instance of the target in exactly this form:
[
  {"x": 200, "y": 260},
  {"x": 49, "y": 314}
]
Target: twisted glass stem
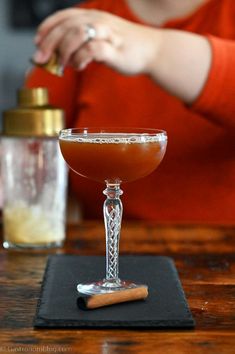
[{"x": 112, "y": 220}]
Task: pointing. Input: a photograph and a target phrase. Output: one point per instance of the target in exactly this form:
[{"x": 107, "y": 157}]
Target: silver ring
[{"x": 90, "y": 32}]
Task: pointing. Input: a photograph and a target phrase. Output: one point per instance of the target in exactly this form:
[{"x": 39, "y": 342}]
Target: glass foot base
[{"x": 106, "y": 286}]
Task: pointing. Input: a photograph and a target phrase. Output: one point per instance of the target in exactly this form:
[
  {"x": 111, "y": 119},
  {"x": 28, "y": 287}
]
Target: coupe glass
[{"x": 112, "y": 156}]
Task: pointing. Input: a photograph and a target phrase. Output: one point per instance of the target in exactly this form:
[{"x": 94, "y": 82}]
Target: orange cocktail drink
[
  {"x": 121, "y": 159},
  {"x": 112, "y": 156}
]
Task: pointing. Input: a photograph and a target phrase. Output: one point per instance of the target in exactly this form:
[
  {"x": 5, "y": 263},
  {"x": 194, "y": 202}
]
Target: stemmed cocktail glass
[{"x": 112, "y": 156}]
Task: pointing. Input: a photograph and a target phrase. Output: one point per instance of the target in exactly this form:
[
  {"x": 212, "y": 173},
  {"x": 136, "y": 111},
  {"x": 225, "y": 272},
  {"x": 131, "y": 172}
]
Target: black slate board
[{"x": 165, "y": 307}]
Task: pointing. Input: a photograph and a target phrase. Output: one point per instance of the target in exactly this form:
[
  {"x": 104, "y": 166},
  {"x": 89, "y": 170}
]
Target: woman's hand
[{"x": 125, "y": 46}]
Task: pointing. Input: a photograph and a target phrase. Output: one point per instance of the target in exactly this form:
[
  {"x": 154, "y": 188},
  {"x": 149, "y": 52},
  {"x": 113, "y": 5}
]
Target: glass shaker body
[{"x": 34, "y": 177}]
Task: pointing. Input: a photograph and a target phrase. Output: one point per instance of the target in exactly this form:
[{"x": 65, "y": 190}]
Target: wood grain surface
[{"x": 205, "y": 259}]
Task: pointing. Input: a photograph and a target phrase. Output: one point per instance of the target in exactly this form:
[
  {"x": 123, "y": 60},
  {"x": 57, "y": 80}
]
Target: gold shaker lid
[
  {"x": 33, "y": 116},
  {"x": 34, "y": 97}
]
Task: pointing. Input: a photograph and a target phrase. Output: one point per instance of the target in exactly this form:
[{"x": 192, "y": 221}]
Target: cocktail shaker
[{"x": 34, "y": 175}]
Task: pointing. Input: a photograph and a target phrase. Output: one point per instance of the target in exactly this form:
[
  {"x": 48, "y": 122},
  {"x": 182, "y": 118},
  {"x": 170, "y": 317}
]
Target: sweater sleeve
[{"x": 217, "y": 100}]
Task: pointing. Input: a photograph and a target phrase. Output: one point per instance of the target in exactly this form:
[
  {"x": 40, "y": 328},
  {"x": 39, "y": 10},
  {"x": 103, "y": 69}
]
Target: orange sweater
[{"x": 196, "y": 181}]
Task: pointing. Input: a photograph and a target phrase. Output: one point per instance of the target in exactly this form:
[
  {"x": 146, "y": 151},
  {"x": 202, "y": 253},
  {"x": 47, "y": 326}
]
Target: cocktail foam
[{"x": 115, "y": 138}]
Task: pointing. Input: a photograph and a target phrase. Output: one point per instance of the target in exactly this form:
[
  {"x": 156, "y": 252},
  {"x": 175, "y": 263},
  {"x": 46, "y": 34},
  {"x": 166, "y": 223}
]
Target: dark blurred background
[
  {"x": 18, "y": 22},
  {"x": 29, "y": 13}
]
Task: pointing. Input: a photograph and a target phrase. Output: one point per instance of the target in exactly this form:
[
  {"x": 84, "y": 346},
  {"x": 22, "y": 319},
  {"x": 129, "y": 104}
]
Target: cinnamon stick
[{"x": 88, "y": 302}]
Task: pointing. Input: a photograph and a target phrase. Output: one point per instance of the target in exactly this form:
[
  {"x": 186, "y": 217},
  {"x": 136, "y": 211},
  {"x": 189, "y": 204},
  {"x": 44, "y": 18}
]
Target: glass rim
[{"x": 112, "y": 130}]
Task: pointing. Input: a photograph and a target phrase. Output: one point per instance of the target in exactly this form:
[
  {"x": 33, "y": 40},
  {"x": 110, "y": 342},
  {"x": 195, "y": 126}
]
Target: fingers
[
  {"x": 70, "y": 44},
  {"x": 48, "y": 45},
  {"x": 69, "y": 36},
  {"x": 64, "y": 32},
  {"x": 64, "y": 39},
  {"x": 99, "y": 51},
  {"x": 54, "y": 20}
]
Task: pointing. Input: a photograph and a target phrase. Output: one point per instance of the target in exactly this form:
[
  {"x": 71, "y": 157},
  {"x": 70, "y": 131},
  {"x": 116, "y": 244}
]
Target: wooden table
[{"x": 204, "y": 256}]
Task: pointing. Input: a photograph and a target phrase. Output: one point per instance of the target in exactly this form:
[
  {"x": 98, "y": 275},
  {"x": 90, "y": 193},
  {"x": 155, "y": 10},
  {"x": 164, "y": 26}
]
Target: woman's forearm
[{"x": 181, "y": 63}]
